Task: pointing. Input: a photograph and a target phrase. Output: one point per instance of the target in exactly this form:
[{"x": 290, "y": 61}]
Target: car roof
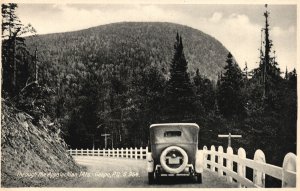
[{"x": 174, "y": 124}]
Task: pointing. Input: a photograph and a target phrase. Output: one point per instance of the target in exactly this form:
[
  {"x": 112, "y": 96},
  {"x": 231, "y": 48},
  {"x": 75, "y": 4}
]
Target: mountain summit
[{"x": 134, "y": 44}]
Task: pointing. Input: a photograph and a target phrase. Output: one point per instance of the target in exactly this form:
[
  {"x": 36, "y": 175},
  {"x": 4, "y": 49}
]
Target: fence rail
[
  {"x": 220, "y": 162},
  {"x": 133, "y": 153},
  {"x": 214, "y": 160}
]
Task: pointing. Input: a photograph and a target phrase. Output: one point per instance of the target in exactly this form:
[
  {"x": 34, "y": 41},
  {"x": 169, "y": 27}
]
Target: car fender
[
  {"x": 150, "y": 162},
  {"x": 199, "y": 164}
]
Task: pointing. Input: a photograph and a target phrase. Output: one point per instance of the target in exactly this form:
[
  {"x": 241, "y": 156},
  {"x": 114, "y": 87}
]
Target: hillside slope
[
  {"x": 115, "y": 75},
  {"x": 29, "y": 153},
  {"x": 132, "y": 44}
]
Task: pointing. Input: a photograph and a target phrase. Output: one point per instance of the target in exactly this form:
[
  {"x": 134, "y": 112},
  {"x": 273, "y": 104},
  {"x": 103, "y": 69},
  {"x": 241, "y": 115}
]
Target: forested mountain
[
  {"x": 131, "y": 45},
  {"x": 112, "y": 78}
]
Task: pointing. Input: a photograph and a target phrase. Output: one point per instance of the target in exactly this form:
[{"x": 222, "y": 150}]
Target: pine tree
[
  {"x": 245, "y": 71},
  {"x": 292, "y": 79},
  {"x": 268, "y": 73},
  {"x": 11, "y": 24},
  {"x": 15, "y": 56},
  {"x": 286, "y": 74},
  {"x": 204, "y": 92},
  {"x": 179, "y": 91},
  {"x": 230, "y": 98}
]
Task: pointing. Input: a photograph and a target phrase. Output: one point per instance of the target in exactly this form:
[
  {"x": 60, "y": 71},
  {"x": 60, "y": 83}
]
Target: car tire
[
  {"x": 199, "y": 178},
  {"x": 157, "y": 178},
  {"x": 173, "y": 170},
  {"x": 151, "y": 179}
]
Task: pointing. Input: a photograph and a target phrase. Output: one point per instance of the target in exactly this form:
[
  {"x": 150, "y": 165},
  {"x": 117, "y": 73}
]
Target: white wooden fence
[
  {"x": 133, "y": 153},
  {"x": 220, "y": 162},
  {"x": 214, "y": 160}
]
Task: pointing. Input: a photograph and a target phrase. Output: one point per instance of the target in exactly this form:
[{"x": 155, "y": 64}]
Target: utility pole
[
  {"x": 229, "y": 136},
  {"x": 105, "y": 135}
]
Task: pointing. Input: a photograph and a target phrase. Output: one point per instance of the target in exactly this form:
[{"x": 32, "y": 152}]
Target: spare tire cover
[{"x": 163, "y": 160}]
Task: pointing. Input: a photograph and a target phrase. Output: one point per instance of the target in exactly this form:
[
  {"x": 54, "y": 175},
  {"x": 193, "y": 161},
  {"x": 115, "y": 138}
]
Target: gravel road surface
[{"x": 123, "y": 173}]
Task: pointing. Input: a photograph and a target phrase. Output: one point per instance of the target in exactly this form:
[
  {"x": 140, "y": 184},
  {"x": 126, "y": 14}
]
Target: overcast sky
[{"x": 237, "y": 27}]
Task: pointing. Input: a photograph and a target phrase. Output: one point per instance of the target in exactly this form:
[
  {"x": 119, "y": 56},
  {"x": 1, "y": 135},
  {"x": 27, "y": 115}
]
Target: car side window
[{"x": 172, "y": 133}]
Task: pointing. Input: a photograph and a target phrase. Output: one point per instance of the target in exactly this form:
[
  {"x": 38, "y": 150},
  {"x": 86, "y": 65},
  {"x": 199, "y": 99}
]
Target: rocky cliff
[{"x": 31, "y": 155}]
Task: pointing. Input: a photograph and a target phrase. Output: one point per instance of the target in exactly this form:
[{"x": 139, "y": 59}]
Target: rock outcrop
[{"x": 31, "y": 155}]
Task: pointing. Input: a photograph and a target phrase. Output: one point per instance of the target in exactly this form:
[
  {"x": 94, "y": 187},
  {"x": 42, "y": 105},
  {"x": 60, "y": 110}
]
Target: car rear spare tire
[{"x": 173, "y": 159}]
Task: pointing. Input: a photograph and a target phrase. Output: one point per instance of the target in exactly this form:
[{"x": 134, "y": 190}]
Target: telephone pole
[
  {"x": 105, "y": 135},
  {"x": 229, "y": 136}
]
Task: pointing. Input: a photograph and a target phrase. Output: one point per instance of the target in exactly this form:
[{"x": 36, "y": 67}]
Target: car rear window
[{"x": 172, "y": 134}]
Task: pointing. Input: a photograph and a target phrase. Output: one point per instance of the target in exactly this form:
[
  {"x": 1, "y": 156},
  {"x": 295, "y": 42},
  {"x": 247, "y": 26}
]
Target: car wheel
[
  {"x": 199, "y": 178},
  {"x": 157, "y": 178},
  {"x": 151, "y": 179},
  {"x": 176, "y": 151}
]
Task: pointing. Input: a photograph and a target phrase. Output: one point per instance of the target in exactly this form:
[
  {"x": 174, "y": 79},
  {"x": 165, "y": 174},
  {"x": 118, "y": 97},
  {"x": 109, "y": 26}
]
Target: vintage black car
[{"x": 173, "y": 151}]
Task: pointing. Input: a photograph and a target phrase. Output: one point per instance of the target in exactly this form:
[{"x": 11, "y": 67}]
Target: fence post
[
  {"x": 81, "y": 152},
  {"x": 220, "y": 160},
  {"x": 259, "y": 177},
  {"x": 126, "y": 152},
  {"x": 122, "y": 150},
  {"x": 241, "y": 169},
  {"x": 213, "y": 158},
  {"x": 289, "y": 165},
  {"x": 98, "y": 152},
  {"x": 76, "y": 152},
  {"x": 135, "y": 153},
  {"x": 108, "y": 152},
  {"x": 113, "y": 152},
  {"x": 87, "y": 152},
  {"x": 141, "y": 152},
  {"x": 131, "y": 152},
  {"x": 205, "y": 157},
  {"x": 229, "y": 163},
  {"x": 93, "y": 150}
]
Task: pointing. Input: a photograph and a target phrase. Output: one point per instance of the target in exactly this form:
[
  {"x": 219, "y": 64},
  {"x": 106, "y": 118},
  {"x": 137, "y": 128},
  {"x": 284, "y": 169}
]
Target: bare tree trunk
[
  {"x": 35, "y": 65},
  {"x": 14, "y": 81}
]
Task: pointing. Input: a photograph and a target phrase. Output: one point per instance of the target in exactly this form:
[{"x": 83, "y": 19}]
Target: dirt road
[{"x": 122, "y": 173}]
